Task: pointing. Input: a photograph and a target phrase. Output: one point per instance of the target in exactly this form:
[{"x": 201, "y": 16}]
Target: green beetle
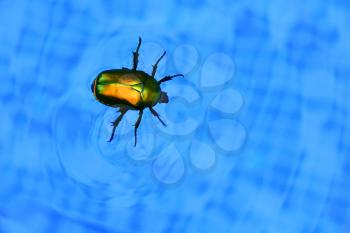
[{"x": 130, "y": 89}]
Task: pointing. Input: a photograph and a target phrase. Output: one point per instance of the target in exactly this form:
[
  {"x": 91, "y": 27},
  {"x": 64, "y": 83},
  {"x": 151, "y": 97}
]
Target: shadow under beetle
[{"x": 131, "y": 89}]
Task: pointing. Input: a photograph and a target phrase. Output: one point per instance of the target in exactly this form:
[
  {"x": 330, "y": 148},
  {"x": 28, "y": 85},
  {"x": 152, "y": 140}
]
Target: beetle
[{"x": 131, "y": 89}]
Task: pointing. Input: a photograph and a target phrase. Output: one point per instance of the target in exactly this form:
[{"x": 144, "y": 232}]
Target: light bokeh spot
[
  {"x": 228, "y": 134},
  {"x": 185, "y": 58},
  {"x": 228, "y": 101},
  {"x": 168, "y": 167},
  {"x": 202, "y": 155},
  {"x": 217, "y": 69}
]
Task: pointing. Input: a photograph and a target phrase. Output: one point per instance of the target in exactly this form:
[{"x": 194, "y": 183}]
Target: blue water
[{"x": 258, "y": 130}]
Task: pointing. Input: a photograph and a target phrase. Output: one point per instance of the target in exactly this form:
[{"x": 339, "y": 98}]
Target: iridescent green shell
[{"x": 124, "y": 87}]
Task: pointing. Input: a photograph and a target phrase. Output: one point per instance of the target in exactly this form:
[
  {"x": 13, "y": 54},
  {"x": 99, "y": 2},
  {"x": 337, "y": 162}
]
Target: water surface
[{"x": 257, "y": 136}]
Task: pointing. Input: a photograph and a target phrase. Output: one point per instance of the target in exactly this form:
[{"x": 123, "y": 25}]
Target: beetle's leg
[
  {"x": 137, "y": 125},
  {"x": 156, "y": 115},
  {"x": 168, "y": 78},
  {"x": 116, "y": 122},
  {"x": 156, "y": 65},
  {"x": 136, "y": 55}
]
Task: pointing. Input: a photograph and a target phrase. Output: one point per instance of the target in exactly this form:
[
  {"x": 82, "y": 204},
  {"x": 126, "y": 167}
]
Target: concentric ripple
[
  {"x": 191, "y": 115},
  {"x": 186, "y": 111},
  {"x": 87, "y": 157}
]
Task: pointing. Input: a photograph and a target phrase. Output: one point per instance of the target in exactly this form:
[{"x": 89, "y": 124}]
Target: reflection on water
[{"x": 256, "y": 136}]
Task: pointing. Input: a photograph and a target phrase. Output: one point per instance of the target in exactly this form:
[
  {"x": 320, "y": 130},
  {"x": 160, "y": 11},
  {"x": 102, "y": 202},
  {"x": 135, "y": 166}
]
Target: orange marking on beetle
[{"x": 122, "y": 92}]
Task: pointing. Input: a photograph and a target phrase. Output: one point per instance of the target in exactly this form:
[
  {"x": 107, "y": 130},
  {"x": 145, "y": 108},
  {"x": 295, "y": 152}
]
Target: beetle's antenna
[
  {"x": 136, "y": 55},
  {"x": 168, "y": 78},
  {"x": 155, "y": 66}
]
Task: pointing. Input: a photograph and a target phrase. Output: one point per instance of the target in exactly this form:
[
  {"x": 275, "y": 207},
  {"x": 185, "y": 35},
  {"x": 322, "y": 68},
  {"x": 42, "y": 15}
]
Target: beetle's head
[{"x": 163, "y": 97}]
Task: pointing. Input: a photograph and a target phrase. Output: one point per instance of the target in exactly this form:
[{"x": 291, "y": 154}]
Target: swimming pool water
[{"x": 257, "y": 137}]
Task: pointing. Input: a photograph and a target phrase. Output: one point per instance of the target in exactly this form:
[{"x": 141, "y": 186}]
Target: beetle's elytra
[{"x": 130, "y": 89}]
